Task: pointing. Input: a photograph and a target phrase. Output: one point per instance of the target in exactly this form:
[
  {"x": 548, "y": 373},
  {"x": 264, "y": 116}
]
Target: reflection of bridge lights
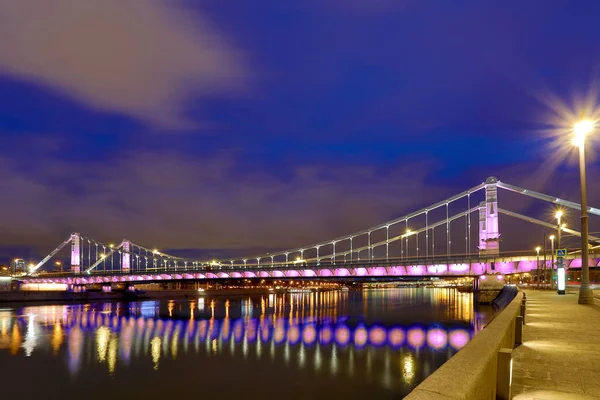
[
  {"x": 377, "y": 336},
  {"x": 279, "y": 335},
  {"x": 202, "y": 329},
  {"x": 293, "y": 334},
  {"x": 396, "y": 337},
  {"x": 408, "y": 368},
  {"x": 155, "y": 351},
  {"x": 112, "y": 354},
  {"x": 459, "y": 338},
  {"x": 437, "y": 338},
  {"x": 75, "y": 343},
  {"x": 265, "y": 333},
  {"x": 326, "y": 335},
  {"x": 252, "y": 331},
  {"x": 342, "y": 335},
  {"x": 238, "y": 330},
  {"x": 309, "y": 335},
  {"x": 360, "y": 337},
  {"x": 102, "y": 338},
  {"x": 57, "y": 337},
  {"x": 416, "y": 337}
]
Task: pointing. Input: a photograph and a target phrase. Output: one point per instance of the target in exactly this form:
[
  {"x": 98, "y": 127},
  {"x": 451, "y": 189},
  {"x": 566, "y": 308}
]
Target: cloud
[
  {"x": 224, "y": 202},
  {"x": 169, "y": 201},
  {"x": 136, "y": 58}
]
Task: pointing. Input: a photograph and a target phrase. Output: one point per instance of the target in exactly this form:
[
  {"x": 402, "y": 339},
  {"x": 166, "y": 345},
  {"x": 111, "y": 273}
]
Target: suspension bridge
[{"x": 415, "y": 245}]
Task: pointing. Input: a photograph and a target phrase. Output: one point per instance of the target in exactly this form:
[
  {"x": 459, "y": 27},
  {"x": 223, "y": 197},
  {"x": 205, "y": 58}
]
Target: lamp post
[
  {"x": 537, "y": 264},
  {"x": 580, "y": 130}
]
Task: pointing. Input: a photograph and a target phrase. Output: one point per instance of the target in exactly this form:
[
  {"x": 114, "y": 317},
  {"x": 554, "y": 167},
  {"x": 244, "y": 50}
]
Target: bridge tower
[
  {"x": 75, "y": 253},
  {"x": 489, "y": 236},
  {"x": 126, "y": 256}
]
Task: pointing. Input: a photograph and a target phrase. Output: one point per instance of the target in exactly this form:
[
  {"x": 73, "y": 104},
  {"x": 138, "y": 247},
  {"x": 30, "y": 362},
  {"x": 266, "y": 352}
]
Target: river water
[{"x": 360, "y": 344}]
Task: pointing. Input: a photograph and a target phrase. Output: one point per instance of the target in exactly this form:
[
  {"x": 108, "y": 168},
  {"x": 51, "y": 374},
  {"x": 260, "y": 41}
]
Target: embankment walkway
[{"x": 560, "y": 354}]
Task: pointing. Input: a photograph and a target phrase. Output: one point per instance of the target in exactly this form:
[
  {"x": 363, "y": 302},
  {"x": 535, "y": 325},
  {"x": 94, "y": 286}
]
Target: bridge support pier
[
  {"x": 126, "y": 256},
  {"x": 75, "y": 253},
  {"x": 489, "y": 235}
]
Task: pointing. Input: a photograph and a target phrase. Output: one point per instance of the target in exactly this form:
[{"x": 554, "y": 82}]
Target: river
[{"x": 357, "y": 344}]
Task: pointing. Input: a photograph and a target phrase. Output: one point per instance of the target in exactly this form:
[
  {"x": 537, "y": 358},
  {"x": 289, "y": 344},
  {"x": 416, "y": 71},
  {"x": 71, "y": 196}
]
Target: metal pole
[
  {"x": 469, "y": 224},
  {"x": 417, "y": 235},
  {"x": 350, "y": 249},
  {"x": 387, "y": 243},
  {"x": 426, "y": 236},
  {"x": 448, "y": 250},
  {"x": 333, "y": 252},
  {"x": 552, "y": 262},
  {"x": 544, "y": 269},
  {"x": 586, "y": 295}
]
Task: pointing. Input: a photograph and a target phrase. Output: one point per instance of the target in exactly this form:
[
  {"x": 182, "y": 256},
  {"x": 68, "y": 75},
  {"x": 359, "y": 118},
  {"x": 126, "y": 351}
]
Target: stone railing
[{"x": 482, "y": 369}]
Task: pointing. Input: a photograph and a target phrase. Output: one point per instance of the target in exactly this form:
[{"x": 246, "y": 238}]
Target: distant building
[{"x": 17, "y": 266}]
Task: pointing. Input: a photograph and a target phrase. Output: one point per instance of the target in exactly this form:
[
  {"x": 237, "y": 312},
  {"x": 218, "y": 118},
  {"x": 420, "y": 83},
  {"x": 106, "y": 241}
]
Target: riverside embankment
[{"x": 472, "y": 373}]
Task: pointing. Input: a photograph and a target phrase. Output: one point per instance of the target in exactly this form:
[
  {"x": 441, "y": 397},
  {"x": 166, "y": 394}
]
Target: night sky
[{"x": 228, "y": 127}]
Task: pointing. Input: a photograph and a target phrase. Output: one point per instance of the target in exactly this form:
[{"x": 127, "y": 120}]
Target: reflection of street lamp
[{"x": 580, "y": 130}]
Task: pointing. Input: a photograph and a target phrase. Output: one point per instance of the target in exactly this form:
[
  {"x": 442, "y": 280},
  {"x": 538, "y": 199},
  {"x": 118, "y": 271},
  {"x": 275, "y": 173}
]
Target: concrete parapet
[{"x": 473, "y": 372}]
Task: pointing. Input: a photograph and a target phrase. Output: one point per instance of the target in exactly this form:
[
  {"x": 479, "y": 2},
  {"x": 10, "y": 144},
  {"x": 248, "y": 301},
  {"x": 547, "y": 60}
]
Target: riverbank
[{"x": 478, "y": 360}]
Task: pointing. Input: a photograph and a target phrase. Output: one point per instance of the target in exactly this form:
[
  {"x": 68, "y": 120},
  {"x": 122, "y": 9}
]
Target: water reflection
[{"x": 334, "y": 334}]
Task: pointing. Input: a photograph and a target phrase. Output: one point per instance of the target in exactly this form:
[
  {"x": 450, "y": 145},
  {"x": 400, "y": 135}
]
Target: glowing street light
[{"x": 580, "y": 131}]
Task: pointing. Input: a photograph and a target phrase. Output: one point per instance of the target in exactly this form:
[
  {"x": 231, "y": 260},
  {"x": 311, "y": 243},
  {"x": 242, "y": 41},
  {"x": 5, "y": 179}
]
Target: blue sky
[{"x": 264, "y": 125}]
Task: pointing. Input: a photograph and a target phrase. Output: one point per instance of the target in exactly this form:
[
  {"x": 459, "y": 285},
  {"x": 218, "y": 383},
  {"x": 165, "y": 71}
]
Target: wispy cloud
[
  {"x": 137, "y": 58},
  {"x": 168, "y": 201}
]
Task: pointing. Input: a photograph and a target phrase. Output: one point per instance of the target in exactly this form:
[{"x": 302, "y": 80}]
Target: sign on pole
[{"x": 560, "y": 272}]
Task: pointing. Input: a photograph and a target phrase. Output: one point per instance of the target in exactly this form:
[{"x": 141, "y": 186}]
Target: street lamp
[
  {"x": 580, "y": 130},
  {"x": 59, "y": 264}
]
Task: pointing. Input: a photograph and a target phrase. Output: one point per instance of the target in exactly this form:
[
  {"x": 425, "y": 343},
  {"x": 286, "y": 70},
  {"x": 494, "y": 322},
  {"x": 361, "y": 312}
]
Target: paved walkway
[{"x": 560, "y": 354}]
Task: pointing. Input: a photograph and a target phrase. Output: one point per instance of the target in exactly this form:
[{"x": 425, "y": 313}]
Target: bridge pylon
[
  {"x": 76, "y": 253},
  {"x": 489, "y": 235},
  {"x": 126, "y": 256}
]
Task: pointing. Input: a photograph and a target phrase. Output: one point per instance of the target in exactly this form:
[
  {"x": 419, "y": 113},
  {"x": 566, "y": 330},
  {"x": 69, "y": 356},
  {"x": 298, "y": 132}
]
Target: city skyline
[{"x": 319, "y": 117}]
